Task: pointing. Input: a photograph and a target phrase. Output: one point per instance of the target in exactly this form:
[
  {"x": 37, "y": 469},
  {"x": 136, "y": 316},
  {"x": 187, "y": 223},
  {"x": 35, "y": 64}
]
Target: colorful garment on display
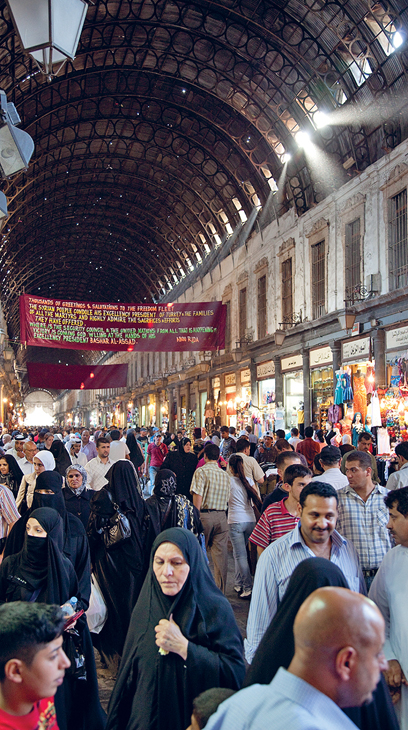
[
  {"x": 360, "y": 395},
  {"x": 375, "y": 410},
  {"x": 334, "y": 413},
  {"x": 383, "y": 441},
  {"x": 370, "y": 380},
  {"x": 338, "y": 393},
  {"x": 348, "y": 391},
  {"x": 357, "y": 428}
]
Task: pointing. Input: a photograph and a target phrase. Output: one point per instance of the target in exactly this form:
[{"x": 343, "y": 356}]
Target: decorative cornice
[
  {"x": 262, "y": 264},
  {"x": 286, "y": 246},
  {"x": 242, "y": 277},
  {"x": 352, "y": 202},
  {"x": 317, "y": 226}
]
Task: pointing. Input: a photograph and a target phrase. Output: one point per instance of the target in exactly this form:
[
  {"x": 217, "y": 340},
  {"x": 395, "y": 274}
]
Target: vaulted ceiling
[{"x": 174, "y": 121}]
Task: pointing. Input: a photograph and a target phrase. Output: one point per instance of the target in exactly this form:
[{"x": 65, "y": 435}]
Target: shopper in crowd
[
  {"x": 314, "y": 534},
  {"x": 182, "y": 640},
  {"x": 206, "y": 704},
  {"x": 346, "y": 444},
  {"x": 199, "y": 443},
  {"x": 61, "y": 456},
  {"x": 77, "y": 496},
  {"x": 283, "y": 445},
  {"x": 118, "y": 449},
  {"x": 17, "y": 450},
  {"x": 42, "y": 461},
  {"x": 266, "y": 453},
  {"x": 210, "y": 488},
  {"x": 119, "y": 569},
  {"x": 294, "y": 437},
  {"x": 43, "y": 573},
  {"x": 156, "y": 453},
  {"x": 399, "y": 478},
  {"x": 87, "y": 446},
  {"x": 329, "y": 460},
  {"x": 227, "y": 445},
  {"x": 10, "y": 473},
  {"x": 42, "y": 435},
  {"x": 279, "y": 434},
  {"x": 283, "y": 460},
  {"x": 252, "y": 468},
  {"x": 26, "y": 462},
  {"x": 136, "y": 454},
  {"x": 364, "y": 443},
  {"x": 252, "y": 439},
  {"x": 308, "y": 447},
  {"x": 9, "y": 514},
  {"x": 244, "y": 495},
  {"x": 73, "y": 447},
  {"x": 183, "y": 462},
  {"x": 97, "y": 468}
]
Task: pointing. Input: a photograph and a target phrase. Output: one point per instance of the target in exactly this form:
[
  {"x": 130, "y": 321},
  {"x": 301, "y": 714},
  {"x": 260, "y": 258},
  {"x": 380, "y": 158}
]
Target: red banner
[
  {"x": 76, "y": 377},
  {"x": 131, "y": 327}
]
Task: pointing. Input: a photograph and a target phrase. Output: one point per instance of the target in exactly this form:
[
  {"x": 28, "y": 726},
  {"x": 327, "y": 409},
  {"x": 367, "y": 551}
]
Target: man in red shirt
[
  {"x": 308, "y": 447},
  {"x": 32, "y": 665},
  {"x": 154, "y": 458},
  {"x": 282, "y": 517}
]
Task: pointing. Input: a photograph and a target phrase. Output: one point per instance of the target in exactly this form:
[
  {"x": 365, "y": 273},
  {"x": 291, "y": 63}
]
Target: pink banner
[
  {"x": 132, "y": 327},
  {"x": 76, "y": 377}
]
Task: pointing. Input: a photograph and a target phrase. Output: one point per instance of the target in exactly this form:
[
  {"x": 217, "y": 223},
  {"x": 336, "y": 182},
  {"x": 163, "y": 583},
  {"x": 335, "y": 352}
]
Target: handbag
[{"x": 117, "y": 530}]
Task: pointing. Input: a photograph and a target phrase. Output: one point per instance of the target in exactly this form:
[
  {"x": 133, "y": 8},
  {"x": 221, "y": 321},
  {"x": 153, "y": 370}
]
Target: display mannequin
[
  {"x": 279, "y": 417},
  {"x": 357, "y": 428},
  {"x": 301, "y": 419}
]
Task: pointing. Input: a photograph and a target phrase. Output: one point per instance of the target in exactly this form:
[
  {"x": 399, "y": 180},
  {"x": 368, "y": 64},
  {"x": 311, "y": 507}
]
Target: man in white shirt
[
  {"x": 252, "y": 470},
  {"x": 17, "y": 450},
  {"x": 400, "y": 478},
  {"x": 26, "y": 463},
  {"x": 330, "y": 460},
  {"x": 294, "y": 437},
  {"x": 73, "y": 446},
  {"x": 88, "y": 447},
  {"x": 118, "y": 449},
  {"x": 98, "y": 467},
  {"x": 338, "y": 661}
]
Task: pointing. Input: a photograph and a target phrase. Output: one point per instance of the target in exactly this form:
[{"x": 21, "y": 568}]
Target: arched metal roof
[{"x": 174, "y": 121}]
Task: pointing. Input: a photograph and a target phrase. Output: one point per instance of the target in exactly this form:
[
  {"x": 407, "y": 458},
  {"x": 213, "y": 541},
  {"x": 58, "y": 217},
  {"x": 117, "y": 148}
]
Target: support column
[
  {"x": 254, "y": 384},
  {"x": 379, "y": 357},
  {"x": 306, "y": 386},
  {"x": 169, "y": 396},
  {"x": 196, "y": 390},
  {"x": 178, "y": 403},
  {"x": 278, "y": 380},
  {"x": 335, "y": 347}
]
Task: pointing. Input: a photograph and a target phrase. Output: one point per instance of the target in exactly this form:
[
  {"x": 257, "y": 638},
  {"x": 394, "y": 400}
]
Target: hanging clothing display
[
  {"x": 375, "y": 410},
  {"x": 360, "y": 395},
  {"x": 338, "y": 393}
]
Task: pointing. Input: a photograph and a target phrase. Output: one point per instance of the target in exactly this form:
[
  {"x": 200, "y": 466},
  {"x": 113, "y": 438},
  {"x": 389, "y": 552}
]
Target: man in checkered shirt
[{"x": 363, "y": 516}]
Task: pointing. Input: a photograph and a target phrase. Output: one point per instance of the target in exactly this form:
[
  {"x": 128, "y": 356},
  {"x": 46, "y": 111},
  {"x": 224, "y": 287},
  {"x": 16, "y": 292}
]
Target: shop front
[
  {"x": 291, "y": 412},
  {"x": 321, "y": 384},
  {"x": 264, "y": 418},
  {"x": 394, "y": 399},
  {"x": 230, "y": 398},
  {"x": 243, "y": 400},
  {"x": 354, "y": 389},
  {"x": 215, "y": 413}
]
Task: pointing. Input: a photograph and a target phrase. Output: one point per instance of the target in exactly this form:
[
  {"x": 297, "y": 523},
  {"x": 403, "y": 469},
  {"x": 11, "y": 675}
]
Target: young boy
[
  {"x": 32, "y": 665},
  {"x": 281, "y": 517},
  {"x": 206, "y": 704}
]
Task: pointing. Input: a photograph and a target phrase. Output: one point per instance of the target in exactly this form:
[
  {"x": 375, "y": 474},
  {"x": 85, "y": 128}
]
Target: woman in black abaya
[
  {"x": 119, "y": 570},
  {"x": 183, "y": 462},
  {"x": 10, "y": 473},
  {"x": 277, "y": 646},
  {"x": 61, "y": 456},
  {"x": 182, "y": 640},
  {"x": 40, "y": 572}
]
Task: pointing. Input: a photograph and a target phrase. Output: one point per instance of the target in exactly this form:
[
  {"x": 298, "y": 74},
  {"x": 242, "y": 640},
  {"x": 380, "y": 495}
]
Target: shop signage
[
  {"x": 113, "y": 327},
  {"x": 355, "y": 330},
  {"x": 322, "y": 356},
  {"x": 292, "y": 363},
  {"x": 265, "y": 370},
  {"x": 356, "y": 350},
  {"x": 397, "y": 339},
  {"x": 246, "y": 376},
  {"x": 216, "y": 383},
  {"x": 230, "y": 390},
  {"x": 229, "y": 379}
]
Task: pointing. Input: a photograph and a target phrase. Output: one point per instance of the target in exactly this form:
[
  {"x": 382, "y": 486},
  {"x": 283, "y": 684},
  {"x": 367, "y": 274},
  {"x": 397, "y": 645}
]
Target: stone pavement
[{"x": 240, "y": 608}]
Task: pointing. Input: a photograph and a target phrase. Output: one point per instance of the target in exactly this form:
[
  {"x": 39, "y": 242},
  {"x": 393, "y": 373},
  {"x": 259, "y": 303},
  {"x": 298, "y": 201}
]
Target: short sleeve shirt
[
  {"x": 41, "y": 717},
  {"x": 274, "y": 522}
]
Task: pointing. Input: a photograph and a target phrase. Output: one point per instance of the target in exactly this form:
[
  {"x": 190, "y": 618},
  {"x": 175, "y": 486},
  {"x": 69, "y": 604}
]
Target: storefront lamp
[
  {"x": 347, "y": 319},
  {"x": 49, "y": 30},
  {"x": 280, "y": 337}
]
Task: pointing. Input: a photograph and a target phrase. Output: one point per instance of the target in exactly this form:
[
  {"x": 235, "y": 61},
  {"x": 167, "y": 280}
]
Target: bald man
[{"x": 339, "y": 638}]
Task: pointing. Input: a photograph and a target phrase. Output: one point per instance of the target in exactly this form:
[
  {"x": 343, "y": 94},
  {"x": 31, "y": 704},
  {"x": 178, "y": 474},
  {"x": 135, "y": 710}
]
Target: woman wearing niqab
[
  {"x": 277, "y": 646},
  {"x": 121, "y": 569},
  {"x": 40, "y": 572},
  {"x": 155, "y": 689},
  {"x": 183, "y": 461},
  {"x": 61, "y": 456}
]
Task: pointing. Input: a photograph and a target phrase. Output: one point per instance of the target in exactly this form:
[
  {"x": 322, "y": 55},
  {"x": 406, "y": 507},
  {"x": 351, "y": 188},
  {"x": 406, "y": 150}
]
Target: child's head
[
  {"x": 32, "y": 661},
  {"x": 206, "y": 704}
]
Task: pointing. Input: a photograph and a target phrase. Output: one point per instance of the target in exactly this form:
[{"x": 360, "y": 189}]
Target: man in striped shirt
[
  {"x": 281, "y": 517},
  {"x": 313, "y": 536}
]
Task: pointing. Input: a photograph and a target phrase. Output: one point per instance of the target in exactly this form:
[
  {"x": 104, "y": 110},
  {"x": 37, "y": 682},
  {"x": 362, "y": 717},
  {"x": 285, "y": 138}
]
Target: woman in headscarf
[
  {"x": 165, "y": 509},
  {"x": 40, "y": 572},
  {"x": 119, "y": 570},
  {"x": 183, "y": 462},
  {"x": 61, "y": 456},
  {"x": 136, "y": 455},
  {"x": 277, "y": 646},
  {"x": 77, "y": 496},
  {"x": 48, "y": 493},
  {"x": 182, "y": 640},
  {"x": 43, "y": 461},
  {"x": 10, "y": 473}
]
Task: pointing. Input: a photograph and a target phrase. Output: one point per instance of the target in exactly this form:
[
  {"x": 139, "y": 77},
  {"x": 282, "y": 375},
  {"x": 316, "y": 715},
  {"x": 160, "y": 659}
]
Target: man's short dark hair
[
  {"x": 294, "y": 471},
  {"x": 232, "y": 430},
  {"x": 308, "y": 432},
  {"x": 102, "y": 440},
  {"x": 115, "y": 434},
  {"x": 208, "y": 702},
  {"x": 286, "y": 456},
  {"x": 402, "y": 450},
  {"x": 364, "y": 436},
  {"x": 320, "y": 489},
  {"x": 398, "y": 498},
  {"x": 362, "y": 457},
  {"x": 280, "y": 434},
  {"x": 283, "y": 445},
  {"x": 224, "y": 429},
  {"x": 242, "y": 444},
  {"x": 248, "y": 429},
  {"x": 211, "y": 451},
  {"x": 294, "y": 431},
  {"x": 25, "y": 628},
  {"x": 330, "y": 455}
]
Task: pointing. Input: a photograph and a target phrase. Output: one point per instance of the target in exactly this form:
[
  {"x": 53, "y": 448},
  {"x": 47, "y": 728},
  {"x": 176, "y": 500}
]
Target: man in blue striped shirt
[
  {"x": 314, "y": 536},
  {"x": 339, "y": 638}
]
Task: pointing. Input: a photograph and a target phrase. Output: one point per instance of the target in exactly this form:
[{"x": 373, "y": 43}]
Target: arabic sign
[
  {"x": 397, "y": 339},
  {"x": 291, "y": 363},
  {"x": 138, "y": 327},
  {"x": 356, "y": 350},
  {"x": 322, "y": 356},
  {"x": 265, "y": 370}
]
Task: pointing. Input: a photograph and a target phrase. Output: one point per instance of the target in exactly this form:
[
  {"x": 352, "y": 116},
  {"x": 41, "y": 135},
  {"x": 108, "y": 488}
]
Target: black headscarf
[
  {"x": 123, "y": 485},
  {"x": 135, "y": 452},
  {"x": 61, "y": 456},
  {"x": 41, "y": 562},
  {"x": 15, "y": 474},
  {"x": 151, "y": 688},
  {"x": 183, "y": 465},
  {"x": 277, "y": 645}
]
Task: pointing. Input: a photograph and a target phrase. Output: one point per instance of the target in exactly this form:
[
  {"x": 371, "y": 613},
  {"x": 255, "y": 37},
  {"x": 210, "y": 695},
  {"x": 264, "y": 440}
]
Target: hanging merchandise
[
  {"x": 356, "y": 428},
  {"x": 360, "y": 395},
  {"x": 383, "y": 441},
  {"x": 338, "y": 393}
]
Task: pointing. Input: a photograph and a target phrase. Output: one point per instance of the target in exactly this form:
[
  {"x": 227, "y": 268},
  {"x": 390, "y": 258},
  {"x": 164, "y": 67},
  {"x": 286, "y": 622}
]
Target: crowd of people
[{"x": 116, "y": 544}]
